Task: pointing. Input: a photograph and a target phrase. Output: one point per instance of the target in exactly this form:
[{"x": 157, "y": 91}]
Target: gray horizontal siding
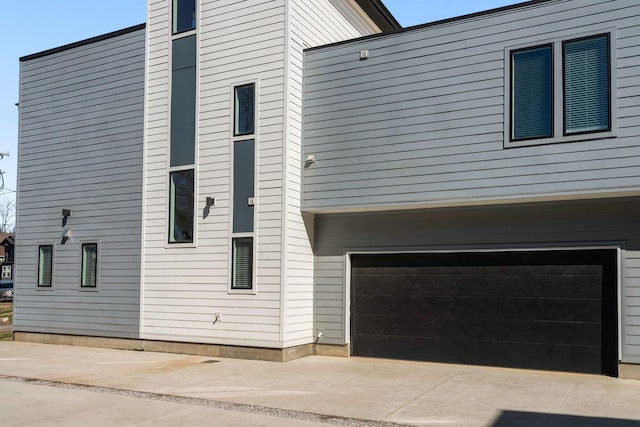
[
  {"x": 422, "y": 121},
  {"x": 80, "y": 148},
  {"x": 558, "y": 224}
]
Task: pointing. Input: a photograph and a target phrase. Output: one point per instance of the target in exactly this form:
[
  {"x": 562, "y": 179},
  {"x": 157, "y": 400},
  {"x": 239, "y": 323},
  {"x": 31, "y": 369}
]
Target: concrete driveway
[{"x": 307, "y": 391}]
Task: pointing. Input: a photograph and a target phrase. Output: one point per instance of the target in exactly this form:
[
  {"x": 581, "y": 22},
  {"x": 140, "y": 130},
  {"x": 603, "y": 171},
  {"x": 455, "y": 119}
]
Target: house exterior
[
  {"x": 465, "y": 194},
  {"x": 278, "y": 178},
  {"x": 7, "y": 255},
  {"x": 176, "y": 148}
]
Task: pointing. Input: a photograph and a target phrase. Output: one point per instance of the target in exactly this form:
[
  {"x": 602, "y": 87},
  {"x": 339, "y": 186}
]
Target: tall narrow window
[
  {"x": 243, "y": 215},
  {"x": 89, "y": 265},
  {"x": 244, "y": 109},
  {"x": 183, "y": 141},
  {"x": 184, "y": 15},
  {"x": 532, "y": 93},
  {"x": 45, "y": 266},
  {"x": 242, "y": 263},
  {"x": 181, "y": 207},
  {"x": 586, "y": 85}
]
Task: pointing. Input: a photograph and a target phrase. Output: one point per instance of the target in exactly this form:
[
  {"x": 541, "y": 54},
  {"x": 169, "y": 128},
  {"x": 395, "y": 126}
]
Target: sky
[{"x": 37, "y": 25}]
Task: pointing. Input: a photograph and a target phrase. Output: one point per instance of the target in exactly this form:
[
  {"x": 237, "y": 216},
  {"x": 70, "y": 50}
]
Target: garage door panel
[
  {"x": 560, "y": 357},
  {"x": 549, "y": 310},
  {"x": 554, "y": 309},
  {"x": 530, "y": 285},
  {"x": 480, "y": 329}
]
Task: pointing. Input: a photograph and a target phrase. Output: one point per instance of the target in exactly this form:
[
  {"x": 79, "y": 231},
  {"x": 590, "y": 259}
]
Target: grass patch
[{"x": 6, "y": 311}]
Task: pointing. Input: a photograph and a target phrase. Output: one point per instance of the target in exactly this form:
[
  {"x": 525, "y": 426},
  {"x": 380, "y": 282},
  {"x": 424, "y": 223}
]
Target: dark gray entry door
[{"x": 554, "y": 310}]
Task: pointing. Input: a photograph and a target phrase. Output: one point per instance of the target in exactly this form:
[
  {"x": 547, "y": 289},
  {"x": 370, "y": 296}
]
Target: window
[
  {"x": 184, "y": 15},
  {"x": 89, "y": 265},
  {"x": 242, "y": 268},
  {"x": 45, "y": 266},
  {"x": 181, "y": 207},
  {"x": 244, "y": 110},
  {"x": 6, "y": 272},
  {"x": 586, "y": 85},
  {"x": 532, "y": 93},
  {"x": 560, "y": 90},
  {"x": 243, "y": 186},
  {"x": 182, "y": 141}
]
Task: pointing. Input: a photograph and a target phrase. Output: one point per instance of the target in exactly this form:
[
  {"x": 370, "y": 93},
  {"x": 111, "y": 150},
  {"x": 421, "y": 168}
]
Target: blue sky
[{"x": 36, "y": 25}]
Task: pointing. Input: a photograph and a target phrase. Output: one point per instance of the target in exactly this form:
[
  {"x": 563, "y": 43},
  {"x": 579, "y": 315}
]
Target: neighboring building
[
  {"x": 7, "y": 258},
  {"x": 464, "y": 191}
]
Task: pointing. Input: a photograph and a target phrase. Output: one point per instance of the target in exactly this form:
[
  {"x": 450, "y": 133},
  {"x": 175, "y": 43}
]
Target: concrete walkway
[{"x": 60, "y": 385}]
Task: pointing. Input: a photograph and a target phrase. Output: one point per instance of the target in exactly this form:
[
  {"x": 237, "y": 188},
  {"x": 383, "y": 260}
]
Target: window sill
[
  {"x": 87, "y": 289},
  {"x": 242, "y": 292},
  {"x": 560, "y": 140}
]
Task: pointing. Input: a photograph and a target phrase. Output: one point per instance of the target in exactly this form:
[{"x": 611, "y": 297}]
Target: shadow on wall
[{"x": 514, "y": 418}]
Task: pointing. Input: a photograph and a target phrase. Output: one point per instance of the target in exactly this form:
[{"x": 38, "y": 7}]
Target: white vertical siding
[
  {"x": 310, "y": 24},
  {"x": 80, "y": 148}
]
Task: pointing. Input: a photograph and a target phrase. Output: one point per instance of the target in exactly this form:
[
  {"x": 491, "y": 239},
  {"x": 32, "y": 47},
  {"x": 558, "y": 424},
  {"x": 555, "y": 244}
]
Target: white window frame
[
  {"x": 194, "y": 243},
  {"x": 6, "y": 268},
  {"x": 558, "y": 135},
  {"x": 233, "y": 138}
]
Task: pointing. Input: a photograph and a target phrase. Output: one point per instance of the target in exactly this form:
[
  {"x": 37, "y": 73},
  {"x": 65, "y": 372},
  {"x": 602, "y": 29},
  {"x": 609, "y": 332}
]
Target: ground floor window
[
  {"x": 242, "y": 263},
  {"x": 89, "y": 265},
  {"x": 45, "y": 266}
]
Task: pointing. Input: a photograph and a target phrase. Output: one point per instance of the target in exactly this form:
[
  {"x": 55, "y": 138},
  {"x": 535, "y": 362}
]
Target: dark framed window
[
  {"x": 587, "y": 82},
  {"x": 244, "y": 110},
  {"x": 89, "y": 265},
  {"x": 45, "y": 266},
  {"x": 561, "y": 90},
  {"x": 532, "y": 93},
  {"x": 181, "y": 198},
  {"x": 184, "y": 15},
  {"x": 242, "y": 266}
]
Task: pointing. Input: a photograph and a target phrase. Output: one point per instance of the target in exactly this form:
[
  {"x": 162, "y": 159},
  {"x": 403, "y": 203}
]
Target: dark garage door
[{"x": 552, "y": 310}]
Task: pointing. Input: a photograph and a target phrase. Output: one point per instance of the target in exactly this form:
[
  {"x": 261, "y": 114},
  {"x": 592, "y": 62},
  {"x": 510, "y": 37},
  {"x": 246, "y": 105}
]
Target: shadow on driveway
[{"x": 515, "y": 418}]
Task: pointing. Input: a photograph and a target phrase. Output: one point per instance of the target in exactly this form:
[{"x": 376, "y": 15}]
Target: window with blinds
[
  {"x": 586, "y": 85},
  {"x": 242, "y": 274},
  {"x": 45, "y": 266},
  {"x": 560, "y": 91},
  {"x": 89, "y": 265},
  {"x": 532, "y": 93}
]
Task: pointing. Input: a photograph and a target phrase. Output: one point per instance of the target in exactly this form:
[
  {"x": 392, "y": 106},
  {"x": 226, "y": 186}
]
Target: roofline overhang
[{"x": 379, "y": 13}]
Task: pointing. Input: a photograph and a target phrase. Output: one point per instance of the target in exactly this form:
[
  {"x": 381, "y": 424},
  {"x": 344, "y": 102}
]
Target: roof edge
[
  {"x": 379, "y": 13},
  {"x": 83, "y": 42},
  {"x": 434, "y": 23}
]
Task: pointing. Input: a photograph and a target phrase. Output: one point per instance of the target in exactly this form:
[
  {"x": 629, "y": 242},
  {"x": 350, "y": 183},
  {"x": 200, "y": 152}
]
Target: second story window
[
  {"x": 243, "y": 185},
  {"x": 184, "y": 15},
  {"x": 182, "y": 141},
  {"x": 561, "y": 91},
  {"x": 244, "y": 105},
  {"x": 586, "y": 85}
]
